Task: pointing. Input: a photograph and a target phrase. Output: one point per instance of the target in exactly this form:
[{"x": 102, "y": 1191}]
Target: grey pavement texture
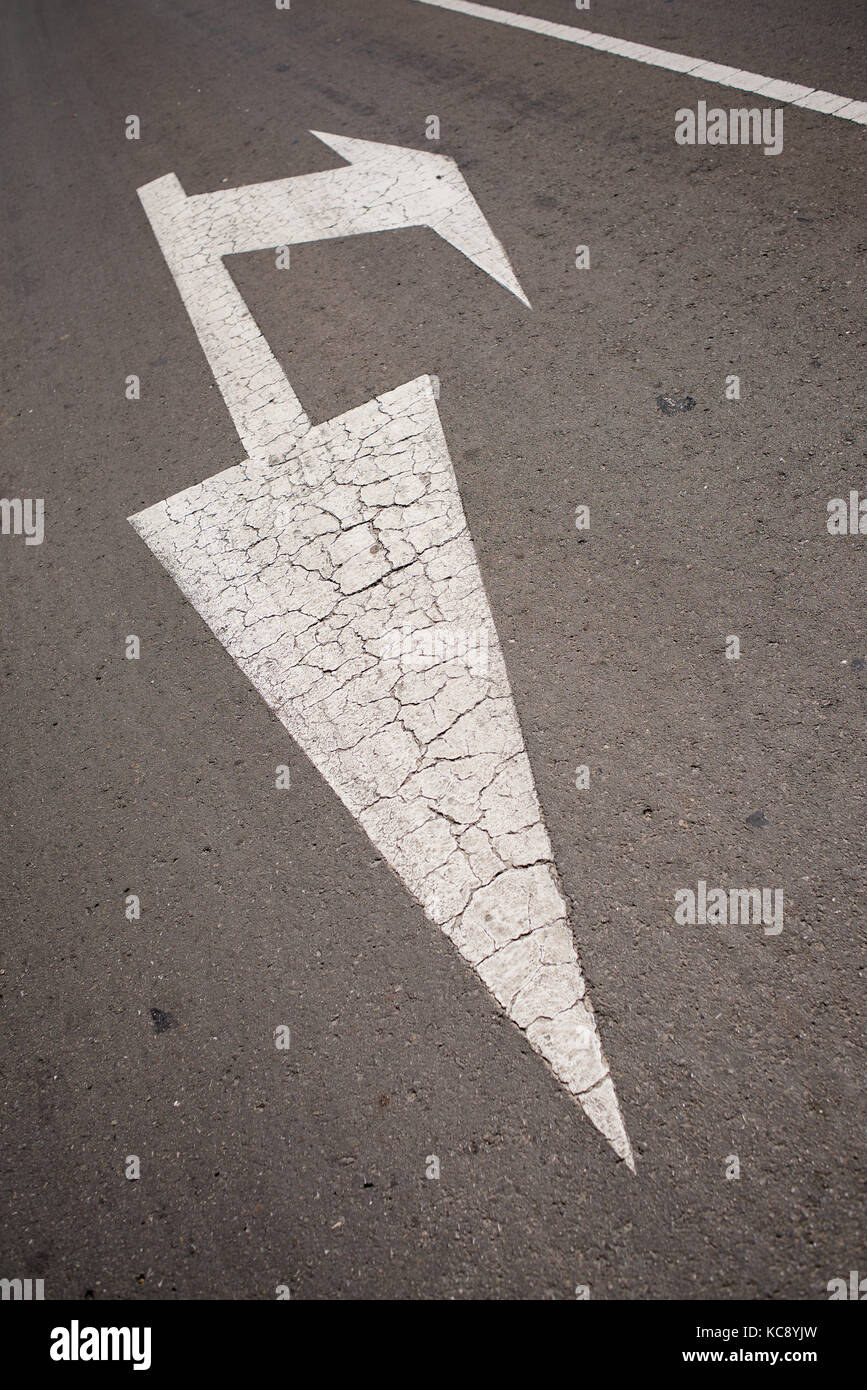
[{"x": 263, "y": 907}]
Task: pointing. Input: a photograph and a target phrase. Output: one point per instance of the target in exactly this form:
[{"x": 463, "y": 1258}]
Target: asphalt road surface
[{"x": 735, "y": 1049}]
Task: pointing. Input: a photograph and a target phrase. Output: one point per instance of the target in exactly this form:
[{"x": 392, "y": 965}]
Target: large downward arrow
[{"x": 335, "y": 565}]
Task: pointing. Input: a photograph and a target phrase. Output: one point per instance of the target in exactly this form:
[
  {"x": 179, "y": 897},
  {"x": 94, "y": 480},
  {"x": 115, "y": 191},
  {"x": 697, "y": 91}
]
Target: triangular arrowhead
[
  {"x": 344, "y": 583},
  {"x": 434, "y": 194},
  {"x": 356, "y": 151}
]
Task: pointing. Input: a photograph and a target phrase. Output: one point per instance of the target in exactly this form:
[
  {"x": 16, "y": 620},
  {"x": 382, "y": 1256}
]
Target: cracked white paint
[{"x": 309, "y": 556}]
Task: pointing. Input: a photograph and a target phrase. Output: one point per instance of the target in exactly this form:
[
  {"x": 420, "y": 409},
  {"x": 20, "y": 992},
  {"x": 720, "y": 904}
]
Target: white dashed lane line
[{"x": 782, "y": 93}]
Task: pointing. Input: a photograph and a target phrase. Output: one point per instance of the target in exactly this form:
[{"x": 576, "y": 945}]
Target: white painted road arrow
[
  {"x": 336, "y": 567},
  {"x": 384, "y": 188}
]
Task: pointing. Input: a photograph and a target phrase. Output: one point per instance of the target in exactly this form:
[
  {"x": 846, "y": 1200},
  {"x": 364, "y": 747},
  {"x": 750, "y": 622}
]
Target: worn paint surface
[{"x": 311, "y": 557}]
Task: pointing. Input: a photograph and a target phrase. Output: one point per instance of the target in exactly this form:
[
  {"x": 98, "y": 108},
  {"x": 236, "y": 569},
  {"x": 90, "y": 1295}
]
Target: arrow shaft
[
  {"x": 309, "y": 207},
  {"x": 265, "y": 411}
]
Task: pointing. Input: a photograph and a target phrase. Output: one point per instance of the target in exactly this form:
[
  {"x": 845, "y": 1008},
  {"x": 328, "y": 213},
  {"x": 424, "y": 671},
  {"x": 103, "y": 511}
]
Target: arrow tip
[
  {"x": 602, "y": 1109},
  {"x": 356, "y": 151},
  {"x": 435, "y": 191}
]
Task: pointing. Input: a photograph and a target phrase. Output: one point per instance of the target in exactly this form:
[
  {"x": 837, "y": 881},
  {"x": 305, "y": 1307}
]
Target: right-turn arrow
[{"x": 336, "y": 567}]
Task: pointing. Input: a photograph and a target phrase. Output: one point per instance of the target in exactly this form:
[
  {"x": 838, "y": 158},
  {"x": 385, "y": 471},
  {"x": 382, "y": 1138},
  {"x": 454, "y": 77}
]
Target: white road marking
[
  {"x": 781, "y": 93},
  {"x": 384, "y": 187},
  {"x": 309, "y": 557}
]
